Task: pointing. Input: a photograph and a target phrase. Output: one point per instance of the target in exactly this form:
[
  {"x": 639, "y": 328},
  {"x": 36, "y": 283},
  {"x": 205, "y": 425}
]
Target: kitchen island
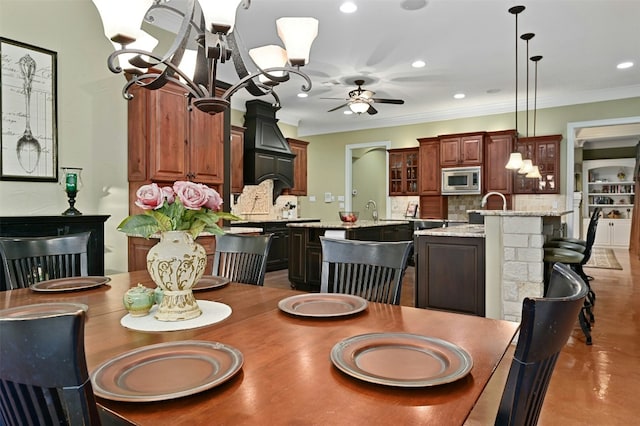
[
  {"x": 514, "y": 264},
  {"x": 305, "y": 253},
  {"x": 450, "y": 269}
]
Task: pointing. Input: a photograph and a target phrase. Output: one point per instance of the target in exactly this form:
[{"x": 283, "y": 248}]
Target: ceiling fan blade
[
  {"x": 338, "y": 107},
  {"x": 339, "y": 99},
  {"x": 389, "y": 101},
  {"x": 372, "y": 110}
]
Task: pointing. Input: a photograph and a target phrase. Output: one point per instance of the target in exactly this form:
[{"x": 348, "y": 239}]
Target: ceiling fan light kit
[
  {"x": 210, "y": 23},
  {"x": 361, "y": 100}
]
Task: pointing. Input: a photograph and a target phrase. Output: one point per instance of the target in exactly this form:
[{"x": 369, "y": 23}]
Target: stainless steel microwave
[{"x": 461, "y": 180}]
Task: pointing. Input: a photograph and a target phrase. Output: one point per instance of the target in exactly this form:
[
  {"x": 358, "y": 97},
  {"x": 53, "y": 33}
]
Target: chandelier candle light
[{"x": 210, "y": 23}]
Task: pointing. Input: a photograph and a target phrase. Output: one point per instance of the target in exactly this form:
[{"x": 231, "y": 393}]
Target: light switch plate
[
  {"x": 327, "y": 197},
  {"x": 312, "y": 198}
]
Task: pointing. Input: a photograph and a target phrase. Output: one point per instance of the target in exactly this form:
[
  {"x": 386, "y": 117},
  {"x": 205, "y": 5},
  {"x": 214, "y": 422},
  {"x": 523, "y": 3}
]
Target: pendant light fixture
[
  {"x": 515, "y": 159},
  {"x": 535, "y": 173}
]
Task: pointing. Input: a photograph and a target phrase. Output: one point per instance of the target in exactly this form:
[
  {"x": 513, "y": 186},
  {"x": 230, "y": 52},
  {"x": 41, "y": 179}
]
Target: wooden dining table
[{"x": 287, "y": 376}]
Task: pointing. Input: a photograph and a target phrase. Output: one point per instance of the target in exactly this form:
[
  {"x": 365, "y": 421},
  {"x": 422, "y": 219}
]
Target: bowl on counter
[{"x": 348, "y": 217}]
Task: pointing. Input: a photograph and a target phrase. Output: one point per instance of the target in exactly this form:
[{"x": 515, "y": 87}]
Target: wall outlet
[
  {"x": 341, "y": 198},
  {"x": 312, "y": 198}
]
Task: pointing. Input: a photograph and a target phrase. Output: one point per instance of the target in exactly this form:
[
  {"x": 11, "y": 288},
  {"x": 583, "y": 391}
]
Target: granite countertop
[
  {"x": 289, "y": 220},
  {"x": 521, "y": 212},
  {"x": 468, "y": 230},
  {"x": 241, "y": 230},
  {"x": 341, "y": 225}
]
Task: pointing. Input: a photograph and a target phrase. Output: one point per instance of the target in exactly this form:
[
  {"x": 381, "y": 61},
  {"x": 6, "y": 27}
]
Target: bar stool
[{"x": 571, "y": 258}]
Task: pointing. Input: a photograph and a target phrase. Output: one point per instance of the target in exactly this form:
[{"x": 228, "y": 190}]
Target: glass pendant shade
[
  {"x": 219, "y": 15},
  {"x": 515, "y": 161},
  {"x": 121, "y": 19},
  {"x": 358, "y": 106},
  {"x": 270, "y": 56},
  {"x": 527, "y": 167},
  {"x": 297, "y": 34},
  {"x": 534, "y": 173},
  {"x": 143, "y": 41}
]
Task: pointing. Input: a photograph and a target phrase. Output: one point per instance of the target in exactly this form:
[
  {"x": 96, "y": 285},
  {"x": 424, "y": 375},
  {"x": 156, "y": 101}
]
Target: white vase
[{"x": 176, "y": 264}]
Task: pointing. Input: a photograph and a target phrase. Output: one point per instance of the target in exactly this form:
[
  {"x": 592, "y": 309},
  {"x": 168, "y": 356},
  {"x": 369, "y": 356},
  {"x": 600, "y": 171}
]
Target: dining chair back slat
[
  {"x": 29, "y": 260},
  {"x": 370, "y": 269},
  {"x": 242, "y": 258},
  {"x": 545, "y": 328}
]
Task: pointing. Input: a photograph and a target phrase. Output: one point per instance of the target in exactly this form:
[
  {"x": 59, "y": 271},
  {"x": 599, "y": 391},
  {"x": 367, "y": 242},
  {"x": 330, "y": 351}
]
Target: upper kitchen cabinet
[
  {"x": 299, "y": 148},
  {"x": 498, "y": 146},
  {"x": 463, "y": 149},
  {"x": 403, "y": 171},
  {"x": 169, "y": 140},
  {"x": 237, "y": 159},
  {"x": 544, "y": 152},
  {"x": 429, "y": 172}
]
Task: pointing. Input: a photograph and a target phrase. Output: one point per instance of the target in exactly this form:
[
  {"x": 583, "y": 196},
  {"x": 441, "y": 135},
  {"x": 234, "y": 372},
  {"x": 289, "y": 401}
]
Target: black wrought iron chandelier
[{"x": 210, "y": 23}]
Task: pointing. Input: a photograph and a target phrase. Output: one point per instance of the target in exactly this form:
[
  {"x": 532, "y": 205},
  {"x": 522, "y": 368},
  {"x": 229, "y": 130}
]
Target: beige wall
[{"x": 92, "y": 120}]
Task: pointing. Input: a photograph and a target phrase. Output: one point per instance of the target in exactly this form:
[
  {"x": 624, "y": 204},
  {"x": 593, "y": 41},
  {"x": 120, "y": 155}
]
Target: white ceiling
[{"x": 469, "y": 47}]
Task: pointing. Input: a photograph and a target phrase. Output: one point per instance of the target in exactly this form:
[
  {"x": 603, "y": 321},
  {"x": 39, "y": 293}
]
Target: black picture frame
[
  {"x": 412, "y": 209},
  {"x": 28, "y": 112}
]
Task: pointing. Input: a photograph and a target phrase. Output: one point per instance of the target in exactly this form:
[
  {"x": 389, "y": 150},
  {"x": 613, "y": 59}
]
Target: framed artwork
[
  {"x": 412, "y": 209},
  {"x": 29, "y": 139}
]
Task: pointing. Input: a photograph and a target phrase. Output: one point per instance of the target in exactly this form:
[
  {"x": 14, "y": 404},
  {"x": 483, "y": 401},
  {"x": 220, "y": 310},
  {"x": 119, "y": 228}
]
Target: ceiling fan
[{"x": 361, "y": 100}]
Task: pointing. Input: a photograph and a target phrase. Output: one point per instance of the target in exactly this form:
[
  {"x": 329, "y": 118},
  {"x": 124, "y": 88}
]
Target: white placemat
[{"x": 212, "y": 312}]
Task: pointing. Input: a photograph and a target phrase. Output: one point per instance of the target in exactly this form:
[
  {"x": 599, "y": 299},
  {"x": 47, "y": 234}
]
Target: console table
[{"x": 42, "y": 226}]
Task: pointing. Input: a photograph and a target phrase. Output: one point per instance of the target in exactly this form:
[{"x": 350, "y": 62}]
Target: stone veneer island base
[{"x": 514, "y": 257}]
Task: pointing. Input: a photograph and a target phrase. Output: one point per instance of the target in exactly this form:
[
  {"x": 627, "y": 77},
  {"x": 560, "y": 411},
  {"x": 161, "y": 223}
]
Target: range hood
[{"x": 266, "y": 152}]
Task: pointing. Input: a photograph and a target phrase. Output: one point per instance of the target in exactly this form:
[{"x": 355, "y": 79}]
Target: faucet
[
  {"x": 374, "y": 214},
  {"x": 483, "y": 203}
]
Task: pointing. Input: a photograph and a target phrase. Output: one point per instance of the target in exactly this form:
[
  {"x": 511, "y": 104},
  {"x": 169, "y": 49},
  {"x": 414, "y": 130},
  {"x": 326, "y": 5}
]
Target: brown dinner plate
[
  {"x": 401, "y": 359},
  {"x": 208, "y": 282},
  {"x": 166, "y": 371},
  {"x": 69, "y": 284},
  {"x": 39, "y": 310},
  {"x": 323, "y": 305}
]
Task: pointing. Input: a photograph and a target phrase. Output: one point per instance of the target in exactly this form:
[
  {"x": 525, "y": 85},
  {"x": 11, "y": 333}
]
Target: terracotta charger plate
[
  {"x": 208, "y": 282},
  {"x": 39, "y": 310},
  {"x": 401, "y": 359},
  {"x": 166, "y": 371},
  {"x": 322, "y": 305},
  {"x": 69, "y": 284}
]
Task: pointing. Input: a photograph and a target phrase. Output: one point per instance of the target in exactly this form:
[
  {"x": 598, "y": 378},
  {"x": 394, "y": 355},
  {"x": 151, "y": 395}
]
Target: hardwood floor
[{"x": 597, "y": 384}]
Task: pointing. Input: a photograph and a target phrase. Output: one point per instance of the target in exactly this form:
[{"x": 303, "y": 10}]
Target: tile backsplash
[{"x": 256, "y": 203}]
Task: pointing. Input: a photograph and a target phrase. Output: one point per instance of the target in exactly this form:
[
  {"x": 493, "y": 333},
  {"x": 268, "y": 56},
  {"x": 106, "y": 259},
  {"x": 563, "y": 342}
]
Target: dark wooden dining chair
[
  {"x": 43, "y": 373},
  {"x": 545, "y": 328},
  {"x": 242, "y": 258},
  {"x": 370, "y": 269},
  {"x": 28, "y": 260}
]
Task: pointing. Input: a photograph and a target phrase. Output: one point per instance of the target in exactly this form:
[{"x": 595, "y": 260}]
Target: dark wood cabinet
[
  {"x": 305, "y": 258},
  {"x": 169, "y": 140},
  {"x": 434, "y": 207},
  {"x": 299, "y": 148},
  {"x": 237, "y": 159},
  {"x": 429, "y": 173},
  {"x": 403, "y": 171},
  {"x": 461, "y": 150},
  {"x": 38, "y": 226},
  {"x": 450, "y": 274},
  {"x": 498, "y": 147},
  {"x": 544, "y": 152}
]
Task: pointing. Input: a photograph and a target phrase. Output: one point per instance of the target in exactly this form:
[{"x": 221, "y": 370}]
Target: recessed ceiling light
[
  {"x": 418, "y": 64},
  {"x": 303, "y": 95},
  {"x": 459, "y": 96},
  {"x": 624, "y": 65},
  {"x": 348, "y": 7}
]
